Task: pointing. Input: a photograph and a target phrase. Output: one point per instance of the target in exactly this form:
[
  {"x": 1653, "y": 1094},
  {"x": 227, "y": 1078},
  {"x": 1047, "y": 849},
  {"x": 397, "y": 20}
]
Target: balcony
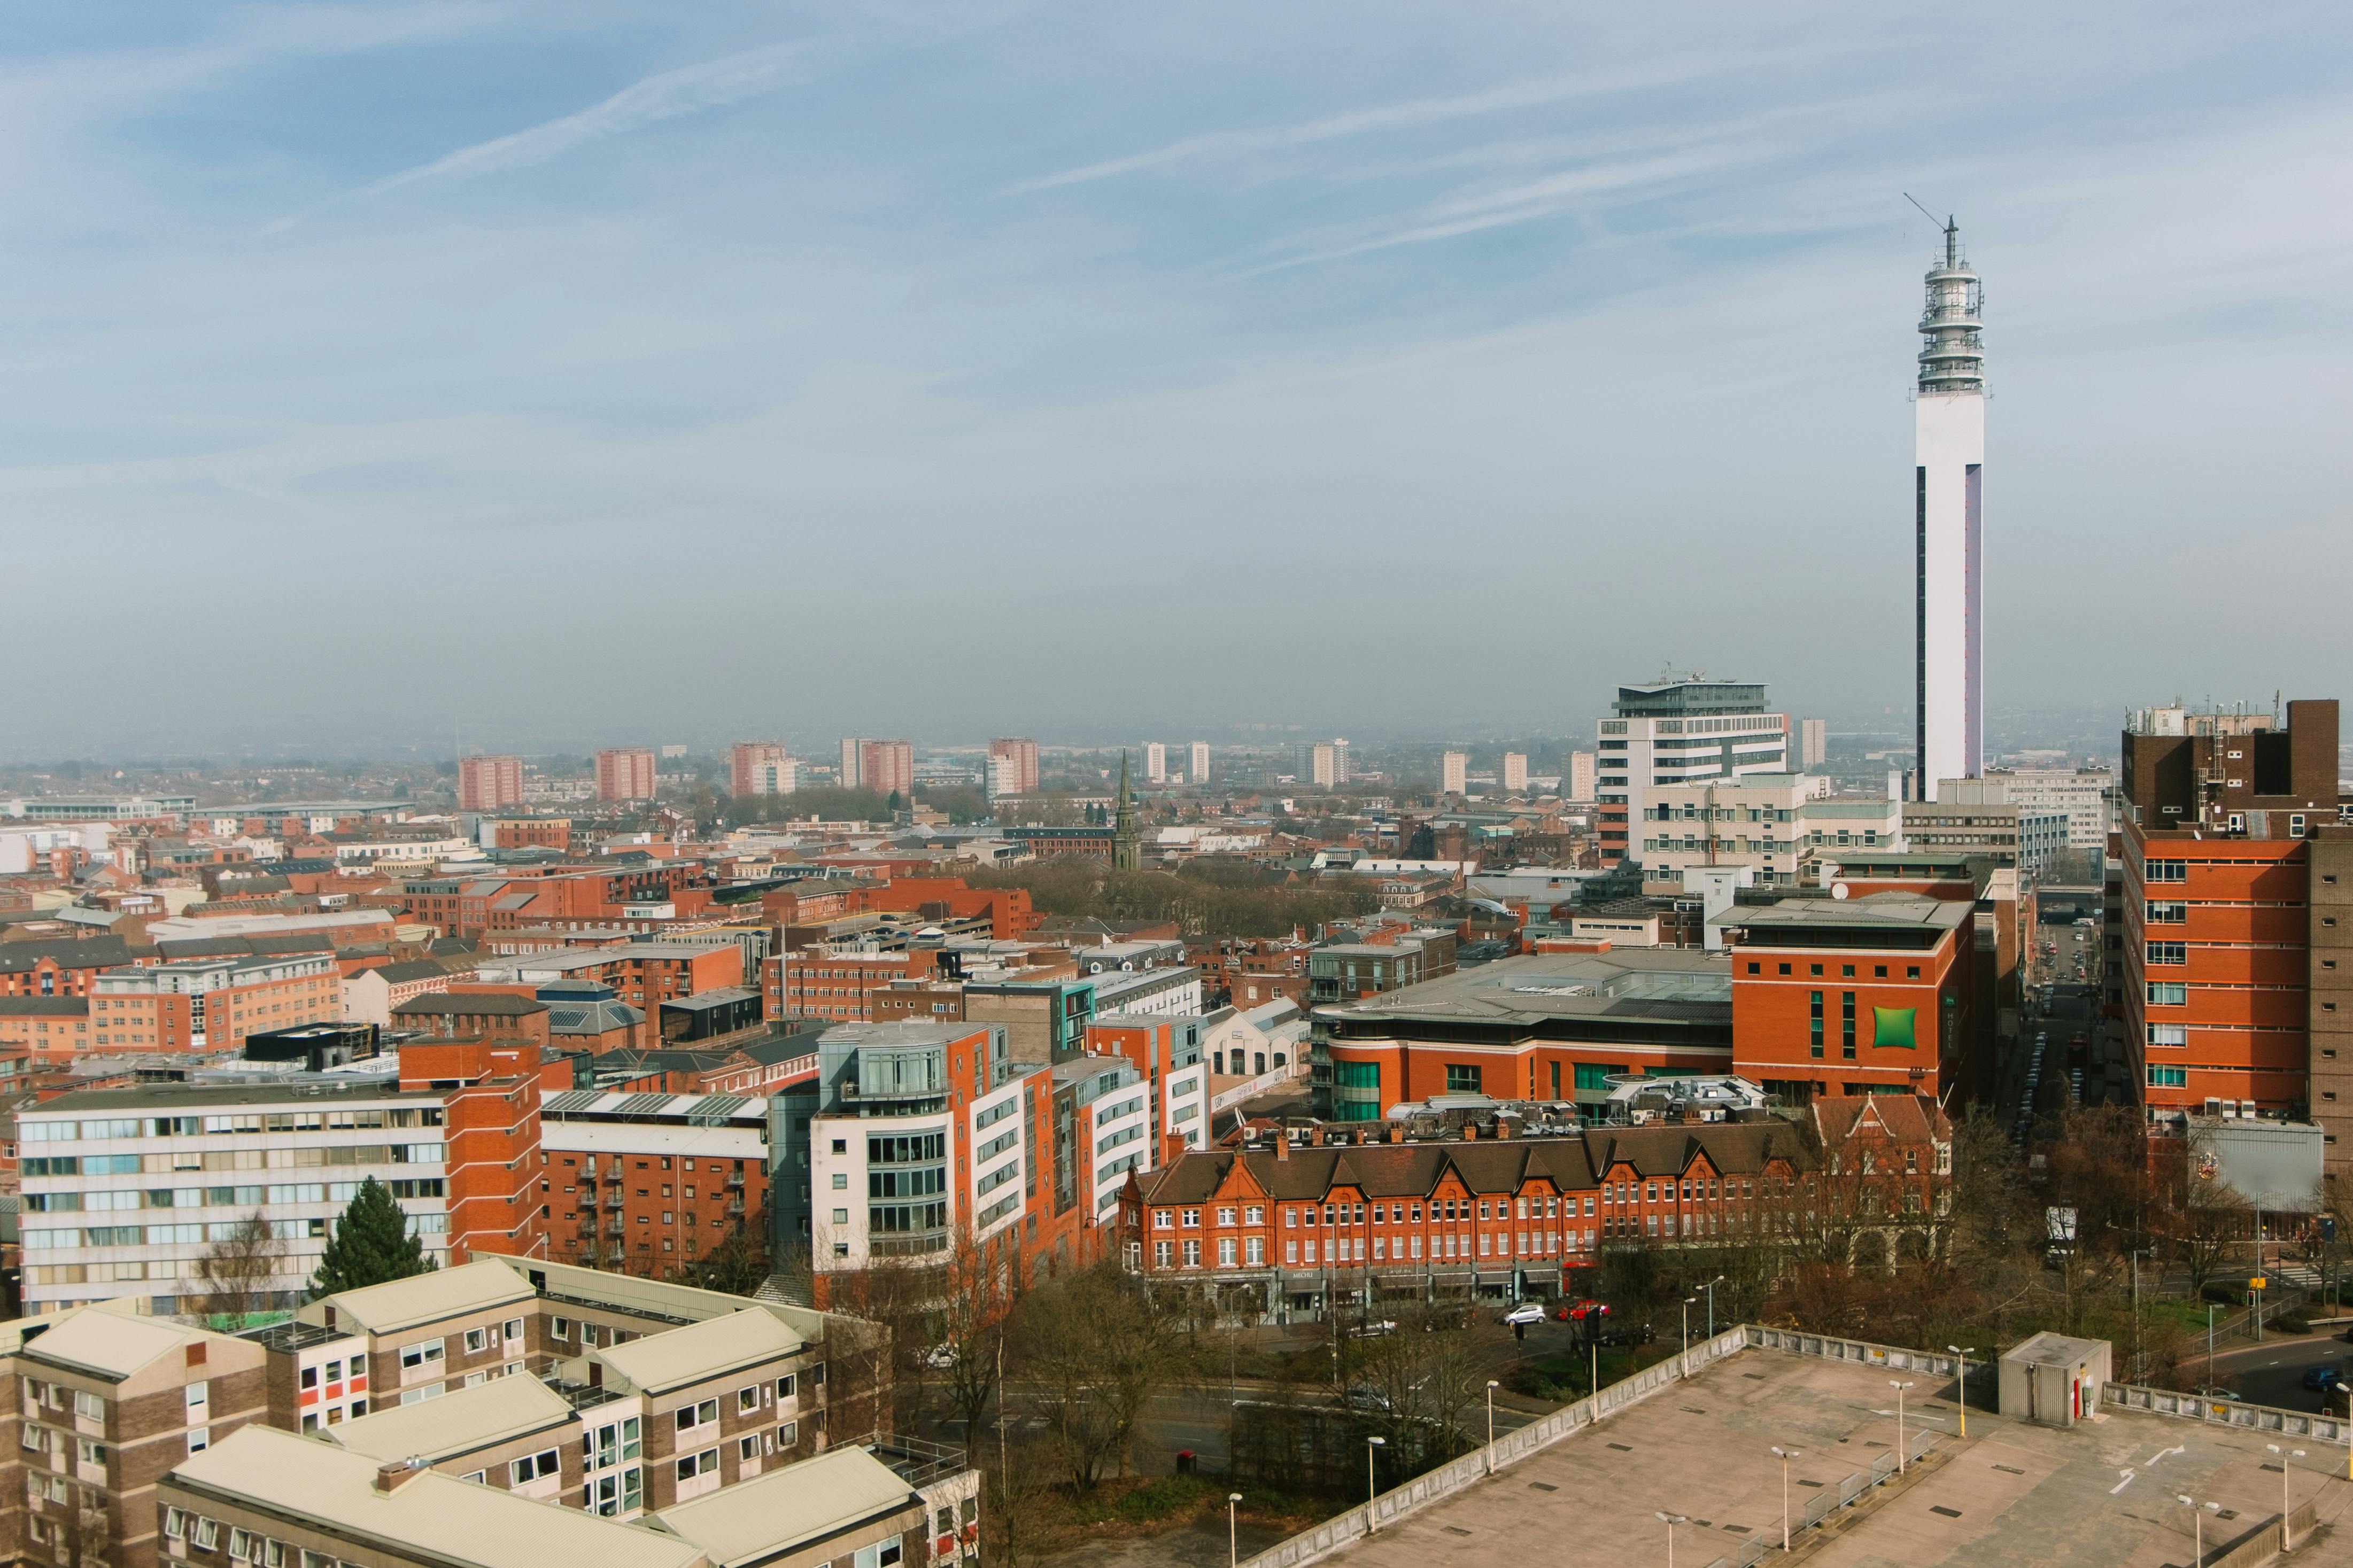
[{"x": 914, "y": 1461}]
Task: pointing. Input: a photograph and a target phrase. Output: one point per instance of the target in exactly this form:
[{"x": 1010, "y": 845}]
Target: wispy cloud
[
  {"x": 1407, "y": 115},
  {"x": 668, "y": 95}
]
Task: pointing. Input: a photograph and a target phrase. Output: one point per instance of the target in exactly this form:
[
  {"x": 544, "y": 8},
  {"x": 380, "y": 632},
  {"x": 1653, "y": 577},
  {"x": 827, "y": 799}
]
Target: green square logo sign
[{"x": 1893, "y": 1026}]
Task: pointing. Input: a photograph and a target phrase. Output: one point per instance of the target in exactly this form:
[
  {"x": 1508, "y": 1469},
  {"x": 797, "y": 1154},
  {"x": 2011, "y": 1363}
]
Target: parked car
[
  {"x": 1372, "y": 1329},
  {"x": 2320, "y": 1379},
  {"x": 1525, "y": 1312},
  {"x": 2212, "y": 1393},
  {"x": 1365, "y": 1397},
  {"x": 940, "y": 1356}
]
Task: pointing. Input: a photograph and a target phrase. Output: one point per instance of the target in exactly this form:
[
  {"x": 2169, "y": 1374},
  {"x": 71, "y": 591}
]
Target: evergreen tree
[{"x": 370, "y": 1243}]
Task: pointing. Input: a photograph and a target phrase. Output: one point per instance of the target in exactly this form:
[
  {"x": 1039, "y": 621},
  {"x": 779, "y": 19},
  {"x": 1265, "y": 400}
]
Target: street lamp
[
  {"x": 1786, "y": 1455},
  {"x": 1233, "y": 1531},
  {"x": 2285, "y": 1455},
  {"x": 1492, "y": 1386},
  {"x": 1710, "y": 1288},
  {"x": 2198, "y": 1523},
  {"x": 1687, "y": 1307},
  {"x": 1900, "y": 1455},
  {"x": 1372, "y": 1446},
  {"x": 1670, "y": 1520},
  {"x": 1965, "y": 1355}
]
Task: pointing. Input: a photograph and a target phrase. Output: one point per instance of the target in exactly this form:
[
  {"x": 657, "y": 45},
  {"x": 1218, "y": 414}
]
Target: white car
[{"x": 1525, "y": 1312}]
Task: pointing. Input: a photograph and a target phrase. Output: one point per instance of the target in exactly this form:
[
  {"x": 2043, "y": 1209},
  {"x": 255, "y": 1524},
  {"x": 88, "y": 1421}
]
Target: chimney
[
  {"x": 390, "y": 1478},
  {"x": 1396, "y": 1132},
  {"x": 1281, "y": 1147},
  {"x": 1319, "y": 1135},
  {"x": 1470, "y": 1131},
  {"x": 1502, "y": 1128}
]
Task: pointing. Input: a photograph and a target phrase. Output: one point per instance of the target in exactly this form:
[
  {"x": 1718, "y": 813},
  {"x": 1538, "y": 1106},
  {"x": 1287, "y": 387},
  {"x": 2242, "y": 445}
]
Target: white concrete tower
[{"x": 1948, "y": 450}]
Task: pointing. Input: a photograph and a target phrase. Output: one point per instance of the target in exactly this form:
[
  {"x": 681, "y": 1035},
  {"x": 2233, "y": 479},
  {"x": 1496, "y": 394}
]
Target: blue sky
[{"x": 618, "y": 371}]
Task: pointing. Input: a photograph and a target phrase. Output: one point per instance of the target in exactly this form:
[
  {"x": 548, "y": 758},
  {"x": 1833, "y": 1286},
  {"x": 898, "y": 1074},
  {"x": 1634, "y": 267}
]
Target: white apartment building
[
  {"x": 1776, "y": 824},
  {"x": 125, "y": 1189},
  {"x": 1197, "y": 762},
  {"x": 1172, "y": 990},
  {"x": 2085, "y": 796},
  {"x": 1581, "y": 775},
  {"x": 1680, "y": 731},
  {"x": 1454, "y": 772},
  {"x": 1515, "y": 773},
  {"x": 1156, "y": 762}
]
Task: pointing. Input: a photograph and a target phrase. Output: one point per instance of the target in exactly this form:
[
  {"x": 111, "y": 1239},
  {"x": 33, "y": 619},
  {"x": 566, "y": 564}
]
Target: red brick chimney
[
  {"x": 390, "y": 1478},
  {"x": 1470, "y": 1131},
  {"x": 1396, "y": 1134},
  {"x": 1281, "y": 1147}
]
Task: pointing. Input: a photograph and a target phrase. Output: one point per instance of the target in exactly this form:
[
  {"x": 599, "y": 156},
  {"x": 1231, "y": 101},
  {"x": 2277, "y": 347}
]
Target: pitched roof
[
  {"x": 757, "y": 1520},
  {"x": 113, "y": 1345},
  {"x": 470, "y": 1003},
  {"x": 458, "y": 1522},
  {"x": 70, "y": 952},
  {"x": 707, "y": 1349},
  {"x": 1906, "y": 1118},
  {"x": 1491, "y": 1166},
  {"x": 430, "y": 1298},
  {"x": 499, "y": 1411}
]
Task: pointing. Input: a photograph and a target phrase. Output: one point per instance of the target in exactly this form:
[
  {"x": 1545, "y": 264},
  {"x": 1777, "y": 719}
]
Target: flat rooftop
[
  {"x": 1688, "y": 984},
  {"x": 2009, "y": 1495}
]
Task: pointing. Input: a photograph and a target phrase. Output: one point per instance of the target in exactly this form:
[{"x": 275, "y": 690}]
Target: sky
[{"x": 543, "y": 374}]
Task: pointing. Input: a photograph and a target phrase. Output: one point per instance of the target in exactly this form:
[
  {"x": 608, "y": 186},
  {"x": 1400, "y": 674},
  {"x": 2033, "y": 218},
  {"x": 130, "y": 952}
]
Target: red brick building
[
  {"x": 489, "y": 784},
  {"x": 1858, "y": 995},
  {"x": 624, "y": 772},
  {"x": 646, "y": 1182}
]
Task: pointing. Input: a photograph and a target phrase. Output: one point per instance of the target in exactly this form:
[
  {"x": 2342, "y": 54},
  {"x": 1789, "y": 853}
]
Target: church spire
[{"x": 1126, "y": 843}]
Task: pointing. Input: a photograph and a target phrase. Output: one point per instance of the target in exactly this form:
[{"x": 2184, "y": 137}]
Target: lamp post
[
  {"x": 1670, "y": 1520},
  {"x": 1965, "y": 1355},
  {"x": 1687, "y": 1307},
  {"x": 1785, "y": 1455},
  {"x": 1233, "y": 1531},
  {"x": 2197, "y": 1524},
  {"x": 1372, "y": 1446},
  {"x": 1710, "y": 1288},
  {"x": 1492, "y": 1386},
  {"x": 1902, "y": 1458},
  {"x": 2285, "y": 1455}
]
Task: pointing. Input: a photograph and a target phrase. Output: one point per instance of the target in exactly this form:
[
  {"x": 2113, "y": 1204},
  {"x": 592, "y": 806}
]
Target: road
[{"x": 2272, "y": 1372}]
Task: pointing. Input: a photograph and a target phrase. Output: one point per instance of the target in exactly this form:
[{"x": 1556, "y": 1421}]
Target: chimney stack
[
  {"x": 1282, "y": 1146},
  {"x": 1396, "y": 1132},
  {"x": 392, "y": 1477},
  {"x": 1470, "y": 1131}
]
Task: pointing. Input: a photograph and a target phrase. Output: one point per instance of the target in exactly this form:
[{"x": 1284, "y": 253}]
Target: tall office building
[
  {"x": 1197, "y": 762},
  {"x": 1323, "y": 764},
  {"x": 760, "y": 767},
  {"x": 1515, "y": 773},
  {"x": 1813, "y": 743},
  {"x": 1680, "y": 731},
  {"x": 489, "y": 784},
  {"x": 624, "y": 772},
  {"x": 1156, "y": 762},
  {"x": 1020, "y": 755},
  {"x": 1454, "y": 770},
  {"x": 1949, "y": 452},
  {"x": 853, "y": 754}
]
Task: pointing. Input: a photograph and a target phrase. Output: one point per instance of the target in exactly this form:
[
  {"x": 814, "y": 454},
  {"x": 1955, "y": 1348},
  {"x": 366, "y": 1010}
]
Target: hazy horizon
[{"x": 528, "y": 376}]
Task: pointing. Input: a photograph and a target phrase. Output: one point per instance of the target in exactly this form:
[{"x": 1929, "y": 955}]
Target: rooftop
[
  {"x": 112, "y": 1344},
  {"x": 707, "y": 1349},
  {"x": 1686, "y": 982},
  {"x": 499, "y": 1411},
  {"x": 428, "y": 1297},
  {"x": 183, "y": 1099},
  {"x": 802, "y": 1503},
  {"x": 456, "y": 1521},
  {"x": 2010, "y": 1496}
]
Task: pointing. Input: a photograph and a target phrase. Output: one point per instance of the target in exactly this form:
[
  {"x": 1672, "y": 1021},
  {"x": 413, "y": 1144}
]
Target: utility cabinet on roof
[{"x": 2052, "y": 1380}]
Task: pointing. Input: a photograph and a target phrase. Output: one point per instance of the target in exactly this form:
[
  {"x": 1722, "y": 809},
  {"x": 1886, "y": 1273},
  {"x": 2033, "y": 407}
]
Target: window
[
  {"x": 691, "y": 1467},
  {"x": 2168, "y": 1078},
  {"x": 2169, "y": 952},
  {"x": 1846, "y": 1024},
  {"x": 2166, "y": 871},
  {"x": 2169, "y": 1034},
  {"x": 476, "y": 1339},
  {"x": 1164, "y": 1219},
  {"x": 1192, "y": 1255},
  {"x": 425, "y": 1352},
  {"x": 534, "y": 1468},
  {"x": 1224, "y": 1217},
  {"x": 2168, "y": 993},
  {"x": 1462, "y": 1079},
  {"x": 1814, "y": 1023},
  {"x": 690, "y": 1416},
  {"x": 2166, "y": 913},
  {"x": 787, "y": 1435}
]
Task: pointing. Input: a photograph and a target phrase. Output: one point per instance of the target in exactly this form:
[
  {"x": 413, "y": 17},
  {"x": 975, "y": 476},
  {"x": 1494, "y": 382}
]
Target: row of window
[
  {"x": 1846, "y": 971},
  {"x": 63, "y": 1131},
  {"x": 248, "y": 1198}
]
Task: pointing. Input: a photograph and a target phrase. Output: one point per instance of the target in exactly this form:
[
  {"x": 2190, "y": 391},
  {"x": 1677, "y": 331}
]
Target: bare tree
[
  {"x": 1096, "y": 1348},
  {"x": 976, "y": 1301},
  {"x": 238, "y": 1273}
]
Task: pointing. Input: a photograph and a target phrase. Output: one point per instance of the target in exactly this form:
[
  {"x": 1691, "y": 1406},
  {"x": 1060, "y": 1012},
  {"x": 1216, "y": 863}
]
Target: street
[{"x": 2272, "y": 1372}]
